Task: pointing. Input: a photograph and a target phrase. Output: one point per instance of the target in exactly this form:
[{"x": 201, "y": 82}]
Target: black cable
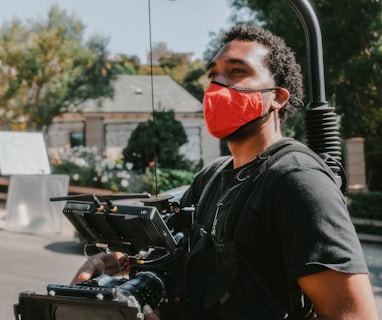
[{"x": 152, "y": 101}]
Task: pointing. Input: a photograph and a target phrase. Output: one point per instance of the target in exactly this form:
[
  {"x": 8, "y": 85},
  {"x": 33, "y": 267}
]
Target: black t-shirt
[{"x": 291, "y": 222}]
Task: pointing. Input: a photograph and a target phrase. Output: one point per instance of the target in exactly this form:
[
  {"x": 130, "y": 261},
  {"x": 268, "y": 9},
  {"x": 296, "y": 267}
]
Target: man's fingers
[
  {"x": 149, "y": 313},
  {"x": 87, "y": 271},
  {"x": 98, "y": 264},
  {"x": 84, "y": 276}
]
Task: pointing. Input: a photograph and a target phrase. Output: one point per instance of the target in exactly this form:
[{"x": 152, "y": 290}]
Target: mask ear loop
[
  {"x": 243, "y": 89},
  {"x": 301, "y": 103}
]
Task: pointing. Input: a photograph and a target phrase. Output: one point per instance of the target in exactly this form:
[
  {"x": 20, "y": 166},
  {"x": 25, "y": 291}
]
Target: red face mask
[{"x": 227, "y": 108}]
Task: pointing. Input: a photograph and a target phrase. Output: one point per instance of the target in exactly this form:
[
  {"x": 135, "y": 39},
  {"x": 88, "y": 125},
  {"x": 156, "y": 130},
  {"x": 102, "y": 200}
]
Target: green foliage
[
  {"x": 160, "y": 180},
  {"x": 166, "y": 133},
  {"x": 45, "y": 67},
  {"x": 366, "y": 205},
  {"x": 189, "y": 74},
  {"x": 95, "y": 78},
  {"x": 172, "y": 61},
  {"x": 368, "y": 228},
  {"x": 213, "y": 46},
  {"x": 374, "y": 177},
  {"x": 124, "y": 64},
  {"x": 294, "y": 126},
  {"x": 192, "y": 82}
]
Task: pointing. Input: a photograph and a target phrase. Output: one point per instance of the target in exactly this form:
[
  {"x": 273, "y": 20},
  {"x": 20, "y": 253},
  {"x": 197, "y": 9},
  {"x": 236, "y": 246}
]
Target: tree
[
  {"x": 214, "y": 45},
  {"x": 192, "y": 82},
  {"x": 45, "y": 68},
  {"x": 125, "y": 64},
  {"x": 352, "y": 42},
  {"x": 173, "y": 60},
  {"x": 180, "y": 67},
  {"x": 151, "y": 70},
  {"x": 166, "y": 134},
  {"x": 189, "y": 74},
  {"x": 95, "y": 75}
]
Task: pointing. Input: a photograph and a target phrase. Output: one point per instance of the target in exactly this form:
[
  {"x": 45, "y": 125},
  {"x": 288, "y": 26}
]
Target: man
[{"x": 261, "y": 237}]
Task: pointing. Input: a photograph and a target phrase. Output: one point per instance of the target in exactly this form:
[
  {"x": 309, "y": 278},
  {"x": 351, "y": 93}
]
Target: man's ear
[{"x": 282, "y": 97}]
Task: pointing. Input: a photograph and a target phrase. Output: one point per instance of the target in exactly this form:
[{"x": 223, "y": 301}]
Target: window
[{"x": 77, "y": 139}]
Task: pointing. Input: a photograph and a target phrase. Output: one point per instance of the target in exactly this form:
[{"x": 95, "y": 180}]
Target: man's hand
[
  {"x": 149, "y": 313},
  {"x": 107, "y": 263}
]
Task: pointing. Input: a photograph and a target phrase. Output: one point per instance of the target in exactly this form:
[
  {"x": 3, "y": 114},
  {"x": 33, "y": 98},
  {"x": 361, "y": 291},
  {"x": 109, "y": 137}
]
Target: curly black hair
[{"x": 280, "y": 61}]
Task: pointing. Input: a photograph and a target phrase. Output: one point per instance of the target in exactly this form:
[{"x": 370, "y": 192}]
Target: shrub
[
  {"x": 85, "y": 168},
  {"x": 169, "y": 137},
  {"x": 165, "y": 179},
  {"x": 366, "y": 205}
]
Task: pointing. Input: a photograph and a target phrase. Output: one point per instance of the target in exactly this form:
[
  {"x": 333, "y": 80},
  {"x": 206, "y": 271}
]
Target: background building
[{"x": 108, "y": 123}]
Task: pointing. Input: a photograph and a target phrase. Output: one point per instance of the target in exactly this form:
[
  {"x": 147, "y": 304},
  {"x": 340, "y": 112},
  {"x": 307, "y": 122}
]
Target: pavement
[{"x": 29, "y": 262}]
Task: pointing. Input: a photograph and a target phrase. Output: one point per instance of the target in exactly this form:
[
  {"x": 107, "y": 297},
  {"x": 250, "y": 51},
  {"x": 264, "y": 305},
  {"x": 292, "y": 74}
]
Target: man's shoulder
[
  {"x": 296, "y": 161},
  {"x": 209, "y": 171},
  {"x": 292, "y": 154},
  {"x": 217, "y": 164}
]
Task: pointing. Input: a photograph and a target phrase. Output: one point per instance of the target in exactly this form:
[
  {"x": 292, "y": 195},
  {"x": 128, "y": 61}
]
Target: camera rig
[{"x": 155, "y": 244}]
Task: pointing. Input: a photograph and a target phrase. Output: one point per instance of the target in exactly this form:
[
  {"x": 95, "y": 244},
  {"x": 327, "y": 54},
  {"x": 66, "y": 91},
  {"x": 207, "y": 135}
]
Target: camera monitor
[
  {"x": 44, "y": 307},
  {"x": 125, "y": 228},
  {"x": 131, "y": 229}
]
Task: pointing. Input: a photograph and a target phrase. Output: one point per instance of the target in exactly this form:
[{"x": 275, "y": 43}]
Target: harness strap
[
  {"x": 219, "y": 166},
  {"x": 298, "y": 308},
  {"x": 289, "y": 146}
]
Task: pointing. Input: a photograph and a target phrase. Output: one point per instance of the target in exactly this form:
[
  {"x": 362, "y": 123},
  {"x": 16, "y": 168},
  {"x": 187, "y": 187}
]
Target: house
[{"x": 108, "y": 123}]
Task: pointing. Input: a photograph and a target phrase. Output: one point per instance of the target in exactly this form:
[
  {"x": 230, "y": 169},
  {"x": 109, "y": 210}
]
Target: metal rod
[
  {"x": 321, "y": 125},
  {"x": 312, "y": 29}
]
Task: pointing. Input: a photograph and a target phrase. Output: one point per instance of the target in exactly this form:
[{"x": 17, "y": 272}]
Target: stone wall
[{"x": 355, "y": 164}]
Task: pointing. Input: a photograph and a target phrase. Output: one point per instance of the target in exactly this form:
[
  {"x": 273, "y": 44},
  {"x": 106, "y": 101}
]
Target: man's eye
[
  {"x": 238, "y": 71},
  {"x": 211, "y": 75}
]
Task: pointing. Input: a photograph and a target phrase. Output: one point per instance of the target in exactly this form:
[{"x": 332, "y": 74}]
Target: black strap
[
  {"x": 268, "y": 158},
  {"x": 273, "y": 155},
  {"x": 218, "y": 166}
]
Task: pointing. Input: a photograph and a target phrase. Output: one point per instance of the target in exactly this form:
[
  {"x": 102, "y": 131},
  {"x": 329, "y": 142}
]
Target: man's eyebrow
[
  {"x": 228, "y": 61},
  {"x": 211, "y": 65},
  {"x": 236, "y": 61}
]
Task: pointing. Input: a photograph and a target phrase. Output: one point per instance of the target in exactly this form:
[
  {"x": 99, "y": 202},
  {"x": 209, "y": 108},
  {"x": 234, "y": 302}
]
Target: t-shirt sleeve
[{"x": 313, "y": 223}]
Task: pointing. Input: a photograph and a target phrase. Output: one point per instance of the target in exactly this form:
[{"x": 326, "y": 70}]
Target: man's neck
[{"x": 247, "y": 150}]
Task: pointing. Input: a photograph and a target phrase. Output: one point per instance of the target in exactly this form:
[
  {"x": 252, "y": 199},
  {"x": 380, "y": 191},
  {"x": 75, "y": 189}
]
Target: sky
[{"x": 184, "y": 25}]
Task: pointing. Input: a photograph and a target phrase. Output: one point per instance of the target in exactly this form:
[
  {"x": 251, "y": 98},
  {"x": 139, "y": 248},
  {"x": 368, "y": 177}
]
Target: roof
[{"x": 133, "y": 93}]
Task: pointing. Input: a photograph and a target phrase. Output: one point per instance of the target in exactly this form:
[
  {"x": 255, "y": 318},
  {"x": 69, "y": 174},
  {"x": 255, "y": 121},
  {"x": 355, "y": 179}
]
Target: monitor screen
[
  {"x": 44, "y": 307},
  {"x": 131, "y": 229}
]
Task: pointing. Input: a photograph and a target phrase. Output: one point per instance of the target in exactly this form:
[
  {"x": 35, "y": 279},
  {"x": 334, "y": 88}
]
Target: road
[{"x": 29, "y": 262}]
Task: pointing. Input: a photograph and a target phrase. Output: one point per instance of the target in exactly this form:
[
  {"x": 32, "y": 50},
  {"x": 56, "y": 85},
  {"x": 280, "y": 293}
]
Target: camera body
[{"x": 155, "y": 244}]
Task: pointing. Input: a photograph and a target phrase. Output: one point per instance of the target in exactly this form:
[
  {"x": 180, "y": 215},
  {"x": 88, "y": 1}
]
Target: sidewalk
[{"x": 30, "y": 262}]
